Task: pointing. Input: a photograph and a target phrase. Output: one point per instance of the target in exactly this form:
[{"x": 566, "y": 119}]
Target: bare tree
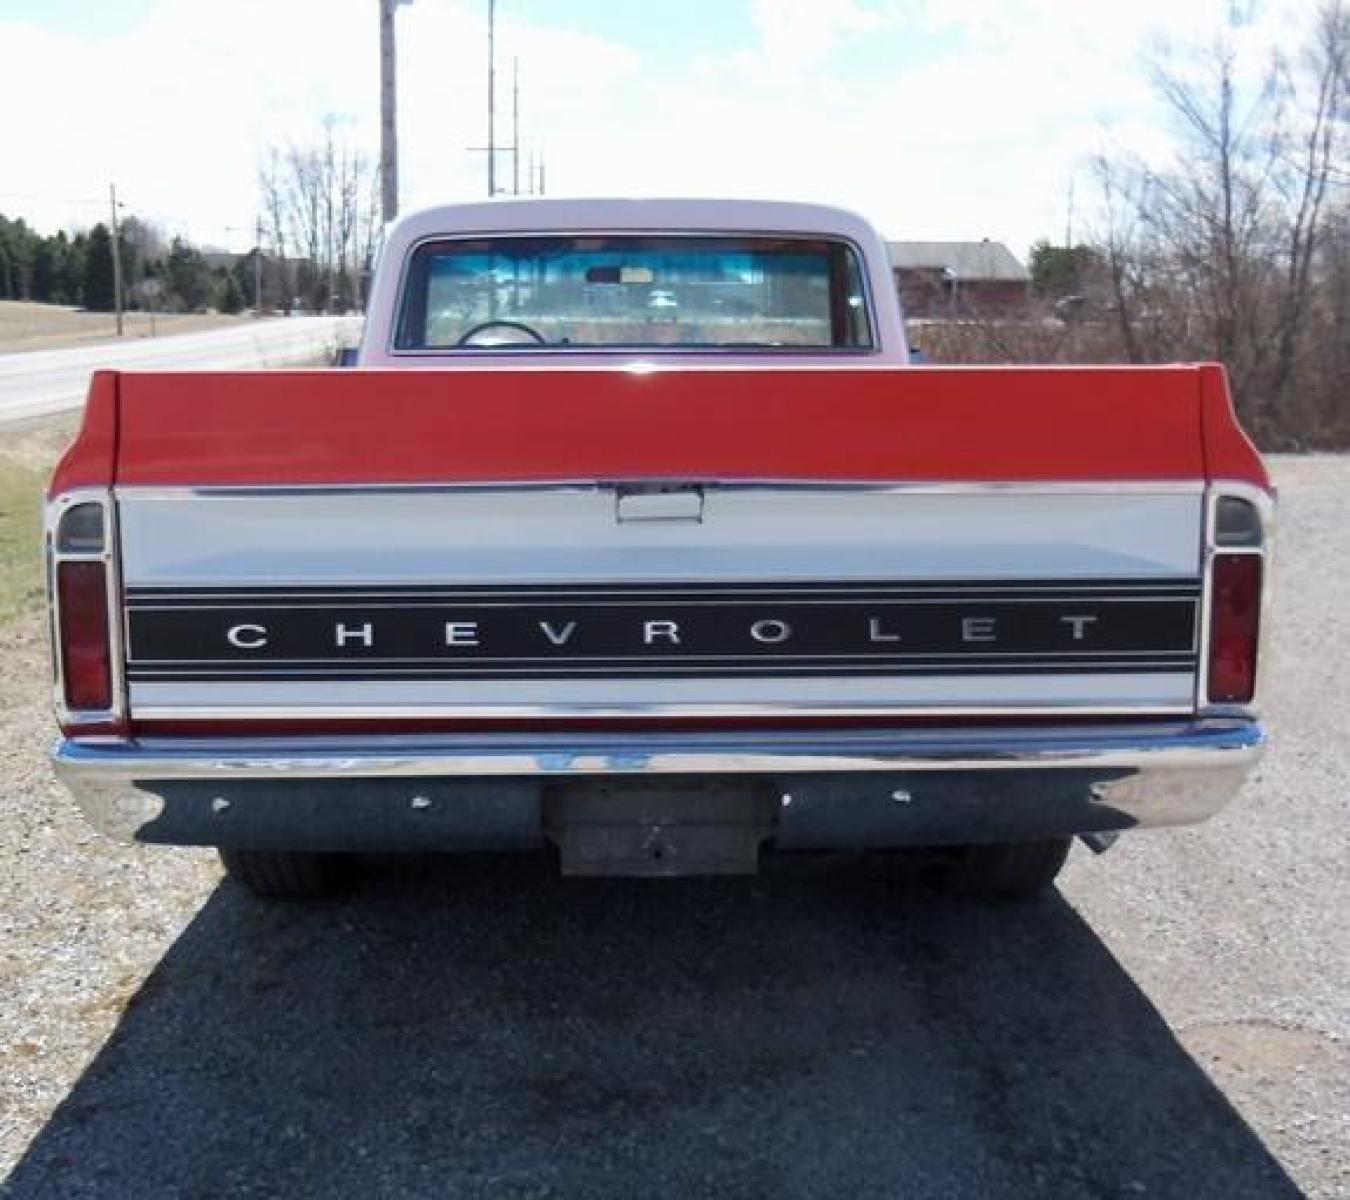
[
  {"x": 1305, "y": 179},
  {"x": 274, "y": 188},
  {"x": 1123, "y": 253},
  {"x": 320, "y": 204},
  {"x": 1236, "y": 249},
  {"x": 1219, "y": 254},
  {"x": 1322, "y": 383}
]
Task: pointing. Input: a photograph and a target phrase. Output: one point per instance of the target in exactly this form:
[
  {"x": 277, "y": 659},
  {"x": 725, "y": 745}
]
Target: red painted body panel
[
  {"x": 89, "y": 461},
  {"x": 967, "y": 424},
  {"x": 1229, "y": 452}
]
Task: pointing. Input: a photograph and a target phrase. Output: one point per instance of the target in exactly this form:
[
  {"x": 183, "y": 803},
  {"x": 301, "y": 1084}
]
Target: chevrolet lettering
[
  {"x": 866, "y": 628},
  {"x": 661, "y": 586}
]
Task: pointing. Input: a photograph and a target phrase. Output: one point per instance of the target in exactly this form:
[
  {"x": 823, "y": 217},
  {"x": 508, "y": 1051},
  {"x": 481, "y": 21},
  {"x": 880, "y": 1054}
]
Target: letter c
[{"x": 247, "y": 637}]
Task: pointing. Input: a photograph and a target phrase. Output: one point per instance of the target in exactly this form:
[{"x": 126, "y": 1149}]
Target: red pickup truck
[{"x": 635, "y": 534}]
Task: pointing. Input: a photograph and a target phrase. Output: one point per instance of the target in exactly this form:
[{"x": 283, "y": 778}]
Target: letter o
[{"x": 771, "y": 631}]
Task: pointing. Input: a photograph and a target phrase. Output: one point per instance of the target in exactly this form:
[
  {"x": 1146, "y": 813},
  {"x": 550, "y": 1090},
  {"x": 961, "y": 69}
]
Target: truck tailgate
[{"x": 302, "y": 546}]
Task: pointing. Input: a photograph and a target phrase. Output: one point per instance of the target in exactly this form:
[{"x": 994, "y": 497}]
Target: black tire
[
  {"x": 1008, "y": 870},
  {"x": 288, "y": 874}
]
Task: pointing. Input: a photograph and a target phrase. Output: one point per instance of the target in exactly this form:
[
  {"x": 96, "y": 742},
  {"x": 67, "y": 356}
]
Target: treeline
[
  {"x": 319, "y": 223},
  {"x": 78, "y": 269},
  {"x": 1238, "y": 251}
]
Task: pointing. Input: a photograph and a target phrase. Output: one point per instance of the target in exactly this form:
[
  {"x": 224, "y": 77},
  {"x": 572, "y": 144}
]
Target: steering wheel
[{"x": 469, "y": 334}]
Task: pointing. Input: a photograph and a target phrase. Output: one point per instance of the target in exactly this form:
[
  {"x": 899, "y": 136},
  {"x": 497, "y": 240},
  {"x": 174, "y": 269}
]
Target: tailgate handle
[{"x": 658, "y": 502}]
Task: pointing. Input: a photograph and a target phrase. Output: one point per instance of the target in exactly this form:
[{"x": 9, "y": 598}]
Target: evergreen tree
[
  {"x": 70, "y": 272},
  {"x": 1058, "y": 271},
  {"x": 189, "y": 276},
  {"x": 229, "y": 296},
  {"x": 18, "y": 244},
  {"x": 44, "y": 281},
  {"x": 98, "y": 271},
  {"x": 244, "y": 277}
]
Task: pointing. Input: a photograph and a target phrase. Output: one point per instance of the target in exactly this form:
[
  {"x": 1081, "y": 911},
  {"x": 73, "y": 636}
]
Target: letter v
[{"x": 558, "y": 637}]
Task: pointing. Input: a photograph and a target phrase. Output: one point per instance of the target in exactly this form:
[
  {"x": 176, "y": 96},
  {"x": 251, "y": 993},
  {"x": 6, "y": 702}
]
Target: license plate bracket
[{"x": 659, "y": 829}]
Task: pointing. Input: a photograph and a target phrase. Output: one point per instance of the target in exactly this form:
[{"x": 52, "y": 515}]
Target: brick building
[{"x": 959, "y": 279}]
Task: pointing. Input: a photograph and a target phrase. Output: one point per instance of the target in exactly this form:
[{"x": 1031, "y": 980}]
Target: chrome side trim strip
[
  {"x": 1165, "y": 487},
  {"x": 655, "y": 712}
]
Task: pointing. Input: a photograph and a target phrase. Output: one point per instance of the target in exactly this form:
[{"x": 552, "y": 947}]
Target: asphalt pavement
[{"x": 39, "y": 382}]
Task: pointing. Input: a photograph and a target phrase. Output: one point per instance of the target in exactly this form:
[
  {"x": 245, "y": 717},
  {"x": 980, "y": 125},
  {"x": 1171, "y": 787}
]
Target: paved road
[
  {"x": 37, "y": 382},
  {"x": 1173, "y": 1023}
]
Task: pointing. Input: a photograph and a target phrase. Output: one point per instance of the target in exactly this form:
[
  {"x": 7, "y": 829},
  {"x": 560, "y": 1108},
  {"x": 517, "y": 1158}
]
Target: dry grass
[
  {"x": 27, "y": 454},
  {"x": 25, "y": 326}
]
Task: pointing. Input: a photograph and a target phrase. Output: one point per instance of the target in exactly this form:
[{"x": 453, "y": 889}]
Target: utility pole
[
  {"x": 388, "y": 112},
  {"x": 515, "y": 127},
  {"x": 117, "y": 258},
  {"x": 492, "y": 98},
  {"x": 541, "y": 173},
  {"x": 514, "y": 147},
  {"x": 257, "y": 268}
]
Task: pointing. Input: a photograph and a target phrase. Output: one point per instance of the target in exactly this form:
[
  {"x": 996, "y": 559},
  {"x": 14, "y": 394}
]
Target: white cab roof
[{"x": 656, "y": 215}]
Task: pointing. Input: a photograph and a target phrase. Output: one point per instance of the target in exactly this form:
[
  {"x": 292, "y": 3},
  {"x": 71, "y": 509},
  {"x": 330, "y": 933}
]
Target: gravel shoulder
[{"x": 1175, "y": 1022}]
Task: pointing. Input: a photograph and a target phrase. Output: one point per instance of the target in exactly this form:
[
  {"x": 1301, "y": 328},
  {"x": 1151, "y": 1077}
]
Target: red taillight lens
[
  {"x": 86, "y": 656},
  {"x": 1234, "y": 626}
]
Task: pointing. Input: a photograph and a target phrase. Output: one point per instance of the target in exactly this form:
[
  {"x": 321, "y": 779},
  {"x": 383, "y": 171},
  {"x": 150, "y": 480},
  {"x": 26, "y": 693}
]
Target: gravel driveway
[{"x": 1174, "y": 1023}]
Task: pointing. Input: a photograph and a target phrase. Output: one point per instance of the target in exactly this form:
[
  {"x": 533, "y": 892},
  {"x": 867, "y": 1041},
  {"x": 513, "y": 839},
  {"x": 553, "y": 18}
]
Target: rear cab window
[{"x": 635, "y": 292}]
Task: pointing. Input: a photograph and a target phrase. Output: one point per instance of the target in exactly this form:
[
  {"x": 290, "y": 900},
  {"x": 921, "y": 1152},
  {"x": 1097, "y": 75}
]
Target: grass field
[
  {"x": 27, "y": 455},
  {"x": 25, "y": 326}
]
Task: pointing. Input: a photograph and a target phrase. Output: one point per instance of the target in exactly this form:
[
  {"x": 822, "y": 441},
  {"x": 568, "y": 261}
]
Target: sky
[{"x": 938, "y": 119}]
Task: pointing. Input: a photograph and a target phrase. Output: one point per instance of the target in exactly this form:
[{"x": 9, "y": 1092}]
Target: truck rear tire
[
  {"x": 288, "y": 874},
  {"x": 1008, "y": 870}
]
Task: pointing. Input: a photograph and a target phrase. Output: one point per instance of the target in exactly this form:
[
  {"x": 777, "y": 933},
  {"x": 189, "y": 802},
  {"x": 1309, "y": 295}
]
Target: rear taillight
[
  {"x": 1235, "y": 627},
  {"x": 85, "y": 632},
  {"x": 83, "y": 635}
]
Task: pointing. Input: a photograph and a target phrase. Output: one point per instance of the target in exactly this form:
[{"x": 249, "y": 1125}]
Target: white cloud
[
  {"x": 797, "y": 33},
  {"x": 978, "y": 133}
]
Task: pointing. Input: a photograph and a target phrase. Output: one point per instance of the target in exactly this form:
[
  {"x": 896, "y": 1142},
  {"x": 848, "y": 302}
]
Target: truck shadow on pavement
[{"x": 482, "y": 1028}]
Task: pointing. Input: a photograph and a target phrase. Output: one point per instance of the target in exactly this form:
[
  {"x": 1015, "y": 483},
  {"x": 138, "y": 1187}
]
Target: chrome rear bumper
[{"x": 833, "y": 787}]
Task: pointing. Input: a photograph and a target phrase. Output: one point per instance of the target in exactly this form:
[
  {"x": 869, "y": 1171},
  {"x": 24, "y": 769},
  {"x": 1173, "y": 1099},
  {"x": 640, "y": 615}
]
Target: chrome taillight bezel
[
  {"x": 1263, "y": 502},
  {"x": 85, "y": 722}
]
